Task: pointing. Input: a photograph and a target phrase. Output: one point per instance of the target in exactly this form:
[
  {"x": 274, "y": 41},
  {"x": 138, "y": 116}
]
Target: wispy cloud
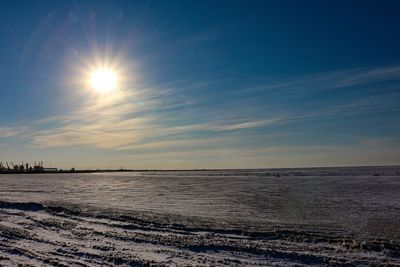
[
  {"x": 159, "y": 117},
  {"x": 244, "y": 125},
  {"x": 325, "y": 80},
  {"x": 367, "y": 76},
  {"x": 8, "y": 132},
  {"x": 377, "y": 152},
  {"x": 122, "y": 122}
]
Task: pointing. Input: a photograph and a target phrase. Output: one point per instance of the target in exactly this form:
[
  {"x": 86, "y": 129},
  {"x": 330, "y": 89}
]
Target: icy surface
[{"x": 330, "y": 216}]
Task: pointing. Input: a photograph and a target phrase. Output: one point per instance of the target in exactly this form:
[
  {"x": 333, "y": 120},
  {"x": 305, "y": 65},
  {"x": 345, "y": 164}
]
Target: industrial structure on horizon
[{"x": 37, "y": 167}]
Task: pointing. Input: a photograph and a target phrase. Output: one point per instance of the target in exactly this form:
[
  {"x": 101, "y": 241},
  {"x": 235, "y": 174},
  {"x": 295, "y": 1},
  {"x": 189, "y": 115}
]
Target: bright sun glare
[{"x": 103, "y": 80}]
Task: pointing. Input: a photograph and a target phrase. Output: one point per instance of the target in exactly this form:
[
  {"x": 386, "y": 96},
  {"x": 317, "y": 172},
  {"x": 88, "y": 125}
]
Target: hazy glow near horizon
[{"x": 103, "y": 80}]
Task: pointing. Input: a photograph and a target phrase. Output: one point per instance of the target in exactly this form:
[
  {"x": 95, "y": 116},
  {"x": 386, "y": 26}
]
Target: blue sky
[{"x": 202, "y": 84}]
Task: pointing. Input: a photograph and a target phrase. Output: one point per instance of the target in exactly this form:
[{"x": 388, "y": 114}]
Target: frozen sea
[{"x": 257, "y": 217}]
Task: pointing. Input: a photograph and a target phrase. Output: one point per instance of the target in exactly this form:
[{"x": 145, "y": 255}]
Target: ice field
[{"x": 331, "y": 216}]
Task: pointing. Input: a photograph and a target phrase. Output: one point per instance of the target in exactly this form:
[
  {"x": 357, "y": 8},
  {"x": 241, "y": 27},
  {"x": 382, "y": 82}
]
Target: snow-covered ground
[{"x": 331, "y": 216}]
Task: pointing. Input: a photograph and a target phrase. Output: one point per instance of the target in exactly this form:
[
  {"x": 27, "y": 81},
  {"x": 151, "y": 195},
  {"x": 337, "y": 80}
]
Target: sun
[{"x": 103, "y": 80}]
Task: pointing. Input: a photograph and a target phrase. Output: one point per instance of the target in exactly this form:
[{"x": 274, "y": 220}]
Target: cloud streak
[
  {"x": 8, "y": 132},
  {"x": 154, "y": 120}
]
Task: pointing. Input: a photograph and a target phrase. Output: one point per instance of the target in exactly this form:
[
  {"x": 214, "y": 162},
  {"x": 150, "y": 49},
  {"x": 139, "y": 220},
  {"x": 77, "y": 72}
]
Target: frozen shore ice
[
  {"x": 65, "y": 236},
  {"x": 347, "y": 217}
]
